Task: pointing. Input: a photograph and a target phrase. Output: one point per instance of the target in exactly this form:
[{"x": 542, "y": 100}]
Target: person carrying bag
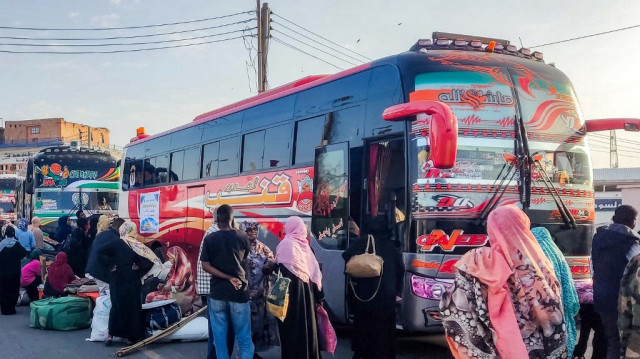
[
  {"x": 376, "y": 270},
  {"x": 365, "y": 265}
]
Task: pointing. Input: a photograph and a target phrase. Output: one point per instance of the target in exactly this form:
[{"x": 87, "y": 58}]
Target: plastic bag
[{"x": 327, "y": 338}]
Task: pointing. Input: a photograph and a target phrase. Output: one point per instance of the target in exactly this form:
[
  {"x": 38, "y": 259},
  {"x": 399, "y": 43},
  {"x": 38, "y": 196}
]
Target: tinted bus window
[
  {"x": 308, "y": 137},
  {"x": 210, "y": 154},
  {"x": 149, "y": 171},
  {"x": 191, "y": 168},
  {"x": 228, "y": 160},
  {"x": 276, "y": 150},
  {"x": 252, "y": 151},
  {"x": 162, "y": 169},
  {"x": 177, "y": 164},
  {"x": 347, "y": 126}
]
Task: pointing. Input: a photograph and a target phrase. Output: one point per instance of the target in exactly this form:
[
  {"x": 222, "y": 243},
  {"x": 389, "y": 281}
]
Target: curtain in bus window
[{"x": 379, "y": 157}]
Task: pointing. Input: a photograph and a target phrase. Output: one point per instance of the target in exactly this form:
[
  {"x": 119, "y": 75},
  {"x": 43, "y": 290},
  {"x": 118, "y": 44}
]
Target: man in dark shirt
[{"x": 223, "y": 256}]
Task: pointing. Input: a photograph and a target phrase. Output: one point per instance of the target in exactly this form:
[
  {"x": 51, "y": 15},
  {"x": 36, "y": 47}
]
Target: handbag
[
  {"x": 327, "y": 338},
  {"x": 366, "y": 265},
  {"x": 278, "y": 297}
]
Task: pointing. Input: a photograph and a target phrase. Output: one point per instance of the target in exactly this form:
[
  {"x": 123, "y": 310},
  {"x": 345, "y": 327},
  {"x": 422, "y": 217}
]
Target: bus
[
  {"x": 7, "y": 197},
  {"x": 62, "y": 180},
  {"x": 433, "y": 139}
]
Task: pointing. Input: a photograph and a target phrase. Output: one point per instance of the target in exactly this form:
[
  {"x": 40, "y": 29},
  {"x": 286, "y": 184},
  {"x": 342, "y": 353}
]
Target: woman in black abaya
[
  {"x": 126, "y": 270},
  {"x": 295, "y": 260}
]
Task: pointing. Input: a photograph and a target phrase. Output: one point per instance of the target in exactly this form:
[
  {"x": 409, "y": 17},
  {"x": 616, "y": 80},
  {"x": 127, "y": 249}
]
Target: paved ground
[{"x": 19, "y": 341}]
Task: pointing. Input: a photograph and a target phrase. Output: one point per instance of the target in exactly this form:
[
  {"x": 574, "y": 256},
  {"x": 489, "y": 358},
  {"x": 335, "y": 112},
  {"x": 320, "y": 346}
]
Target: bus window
[
  {"x": 149, "y": 171},
  {"x": 228, "y": 160},
  {"x": 177, "y": 164},
  {"x": 276, "y": 151},
  {"x": 347, "y": 126},
  {"x": 308, "y": 137},
  {"x": 162, "y": 169},
  {"x": 210, "y": 159},
  {"x": 253, "y": 151},
  {"x": 191, "y": 168}
]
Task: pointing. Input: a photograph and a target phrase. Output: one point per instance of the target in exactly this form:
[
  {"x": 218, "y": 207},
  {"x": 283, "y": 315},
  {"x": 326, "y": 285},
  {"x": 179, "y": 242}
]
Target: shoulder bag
[
  {"x": 278, "y": 297},
  {"x": 365, "y": 265}
]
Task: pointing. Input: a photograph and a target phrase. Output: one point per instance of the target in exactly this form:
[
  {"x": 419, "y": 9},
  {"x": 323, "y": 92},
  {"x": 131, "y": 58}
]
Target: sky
[{"x": 166, "y": 88}]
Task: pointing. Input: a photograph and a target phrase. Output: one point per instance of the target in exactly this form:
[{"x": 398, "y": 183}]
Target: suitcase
[{"x": 66, "y": 313}]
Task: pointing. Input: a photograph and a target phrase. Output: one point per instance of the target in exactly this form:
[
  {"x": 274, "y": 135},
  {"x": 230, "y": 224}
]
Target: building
[
  {"x": 20, "y": 140},
  {"x": 615, "y": 187},
  {"x": 48, "y": 130}
]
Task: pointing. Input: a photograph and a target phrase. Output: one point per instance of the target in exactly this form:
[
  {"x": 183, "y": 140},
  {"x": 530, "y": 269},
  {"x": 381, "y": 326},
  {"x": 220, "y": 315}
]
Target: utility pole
[
  {"x": 613, "y": 149},
  {"x": 263, "y": 15}
]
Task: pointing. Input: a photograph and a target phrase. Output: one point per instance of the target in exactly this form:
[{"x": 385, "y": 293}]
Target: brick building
[
  {"x": 20, "y": 140},
  {"x": 36, "y": 132}
]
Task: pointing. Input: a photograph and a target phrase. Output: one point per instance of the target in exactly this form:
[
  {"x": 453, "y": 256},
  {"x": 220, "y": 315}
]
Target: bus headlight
[{"x": 429, "y": 288}]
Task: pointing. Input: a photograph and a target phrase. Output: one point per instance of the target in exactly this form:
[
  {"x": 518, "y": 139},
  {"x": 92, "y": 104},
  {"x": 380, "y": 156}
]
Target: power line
[
  {"x": 128, "y": 44},
  {"x": 126, "y": 27},
  {"x": 121, "y": 51},
  {"x": 324, "y": 38},
  {"x": 125, "y": 37},
  {"x": 587, "y": 36},
  {"x": 316, "y": 41},
  {"x": 304, "y": 52},
  {"x": 313, "y": 47}
]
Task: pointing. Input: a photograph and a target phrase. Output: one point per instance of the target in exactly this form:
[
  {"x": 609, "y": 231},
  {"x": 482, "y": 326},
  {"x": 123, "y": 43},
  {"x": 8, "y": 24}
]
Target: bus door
[
  {"x": 330, "y": 221},
  {"x": 194, "y": 224},
  {"x": 385, "y": 185}
]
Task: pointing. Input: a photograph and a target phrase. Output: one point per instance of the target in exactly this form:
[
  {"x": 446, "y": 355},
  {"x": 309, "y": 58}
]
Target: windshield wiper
[
  {"x": 499, "y": 191},
  {"x": 566, "y": 215}
]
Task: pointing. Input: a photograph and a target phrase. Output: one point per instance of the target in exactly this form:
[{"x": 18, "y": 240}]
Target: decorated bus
[
  {"x": 432, "y": 139},
  {"x": 60, "y": 181},
  {"x": 7, "y": 197}
]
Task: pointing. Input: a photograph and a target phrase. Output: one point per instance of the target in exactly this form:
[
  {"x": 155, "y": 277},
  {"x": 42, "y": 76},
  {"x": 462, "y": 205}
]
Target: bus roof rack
[{"x": 451, "y": 36}]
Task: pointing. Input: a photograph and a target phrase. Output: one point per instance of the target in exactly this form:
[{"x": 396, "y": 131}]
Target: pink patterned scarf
[{"x": 295, "y": 253}]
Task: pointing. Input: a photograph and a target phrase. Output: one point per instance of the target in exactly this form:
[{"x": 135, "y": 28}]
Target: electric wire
[
  {"x": 122, "y": 51},
  {"x": 587, "y": 36},
  {"x": 125, "y": 37},
  {"x": 304, "y": 52},
  {"x": 128, "y": 44},
  {"x": 316, "y": 41},
  {"x": 313, "y": 47},
  {"x": 324, "y": 38},
  {"x": 128, "y": 27}
]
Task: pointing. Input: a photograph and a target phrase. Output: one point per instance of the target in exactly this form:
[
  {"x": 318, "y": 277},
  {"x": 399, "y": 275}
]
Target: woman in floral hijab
[{"x": 506, "y": 300}]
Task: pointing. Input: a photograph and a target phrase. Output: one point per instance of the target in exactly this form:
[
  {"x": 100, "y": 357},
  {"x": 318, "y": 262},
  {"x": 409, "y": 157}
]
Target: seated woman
[
  {"x": 31, "y": 276},
  {"x": 59, "y": 276},
  {"x": 180, "y": 283}
]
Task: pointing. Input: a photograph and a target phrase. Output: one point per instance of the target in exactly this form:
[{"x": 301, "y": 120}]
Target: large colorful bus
[
  {"x": 7, "y": 197},
  {"x": 433, "y": 139},
  {"x": 61, "y": 180}
]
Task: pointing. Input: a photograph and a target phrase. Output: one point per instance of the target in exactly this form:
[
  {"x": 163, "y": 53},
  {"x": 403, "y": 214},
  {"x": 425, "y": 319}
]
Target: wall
[
  {"x": 34, "y": 131},
  {"x": 631, "y": 196}
]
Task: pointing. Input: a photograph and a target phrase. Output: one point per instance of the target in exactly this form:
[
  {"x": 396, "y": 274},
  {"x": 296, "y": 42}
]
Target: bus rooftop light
[
  {"x": 525, "y": 51},
  {"x": 460, "y": 43},
  {"x": 477, "y": 44},
  {"x": 442, "y": 42},
  {"x": 425, "y": 42},
  {"x": 512, "y": 48},
  {"x": 538, "y": 55},
  {"x": 140, "y": 131}
]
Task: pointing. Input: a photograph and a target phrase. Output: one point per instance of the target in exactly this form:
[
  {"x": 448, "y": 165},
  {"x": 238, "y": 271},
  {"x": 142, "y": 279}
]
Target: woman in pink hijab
[
  {"x": 296, "y": 261},
  {"x": 506, "y": 300}
]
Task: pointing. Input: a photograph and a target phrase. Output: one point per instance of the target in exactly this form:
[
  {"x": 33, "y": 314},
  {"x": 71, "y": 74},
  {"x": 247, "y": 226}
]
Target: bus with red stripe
[{"x": 432, "y": 139}]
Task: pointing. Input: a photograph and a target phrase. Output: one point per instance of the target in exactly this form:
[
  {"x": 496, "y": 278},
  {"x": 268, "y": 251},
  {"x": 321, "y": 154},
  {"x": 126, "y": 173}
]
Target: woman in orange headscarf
[
  {"x": 180, "y": 282},
  {"x": 506, "y": 300}
]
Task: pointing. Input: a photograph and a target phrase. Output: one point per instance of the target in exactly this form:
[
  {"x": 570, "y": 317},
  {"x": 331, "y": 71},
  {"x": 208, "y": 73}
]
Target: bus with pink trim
[{"x": 433, "y": 139}]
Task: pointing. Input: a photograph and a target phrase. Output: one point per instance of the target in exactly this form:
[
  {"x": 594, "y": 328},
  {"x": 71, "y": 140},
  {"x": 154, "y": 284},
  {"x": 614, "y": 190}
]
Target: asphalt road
[{"x": 18, "y": 340}]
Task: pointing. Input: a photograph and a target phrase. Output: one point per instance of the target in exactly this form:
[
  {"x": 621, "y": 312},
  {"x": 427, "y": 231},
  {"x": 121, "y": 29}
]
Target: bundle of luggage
[{"x": 65, "y": 313}]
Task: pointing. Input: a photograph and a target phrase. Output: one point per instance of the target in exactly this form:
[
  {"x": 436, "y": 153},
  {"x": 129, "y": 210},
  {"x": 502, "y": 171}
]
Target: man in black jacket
[
  {"x": 613, "y": 246},
  {"x": 95, "y": 269}
]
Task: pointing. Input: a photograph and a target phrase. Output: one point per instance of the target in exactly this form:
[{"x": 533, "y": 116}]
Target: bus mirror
[
  {"x": 443, "y": 128},
  {"x": 28, "y": 182},
  {"x": 607, "y": 124}
]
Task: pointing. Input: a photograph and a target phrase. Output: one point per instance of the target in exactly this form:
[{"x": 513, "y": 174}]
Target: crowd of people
[
  {"x": 512, "y": 299},
  {"x": 517, "y": 299}
]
